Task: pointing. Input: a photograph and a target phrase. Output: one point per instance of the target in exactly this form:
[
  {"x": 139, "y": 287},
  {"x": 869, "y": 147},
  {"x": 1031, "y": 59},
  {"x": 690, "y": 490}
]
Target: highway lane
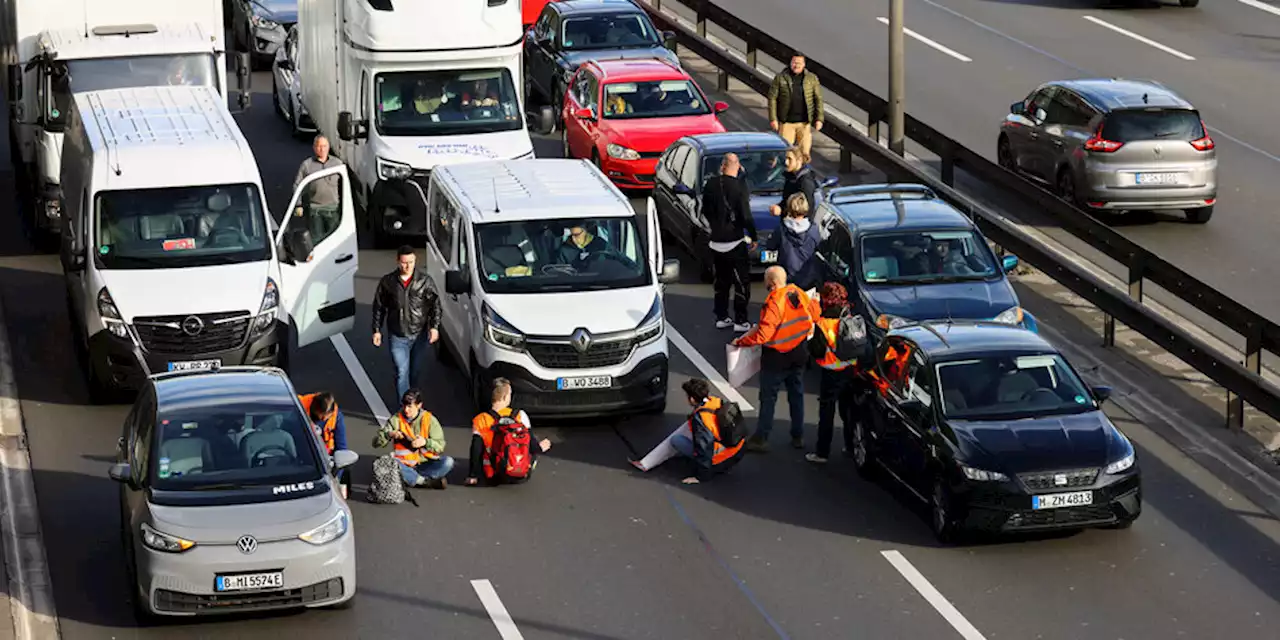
[
  {"x": 591, "y": 550},
  {"x": 1015, "y": 45}
]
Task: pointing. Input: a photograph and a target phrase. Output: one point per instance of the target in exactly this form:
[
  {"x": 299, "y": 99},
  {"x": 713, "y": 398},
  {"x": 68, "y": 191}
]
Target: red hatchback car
[{"x": 622, "y": 114}]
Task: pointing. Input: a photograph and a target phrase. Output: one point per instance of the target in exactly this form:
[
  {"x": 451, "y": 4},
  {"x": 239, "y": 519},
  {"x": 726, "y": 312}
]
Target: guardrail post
[
  {"x": 1108, "y": 330},
  {"x": 752, "y": 55},
  {"x": 846, "y": 160},
  {"x": 701, "y": 19},
  {"x": 1136, "y": 269},
  {"x": 1252, "y": 362},
  {"x": 873, "y": 127},
  {"x": 657, "y": 4},
  {"x": 722, "y": 80},
  {"x": 948, "y": 166}
]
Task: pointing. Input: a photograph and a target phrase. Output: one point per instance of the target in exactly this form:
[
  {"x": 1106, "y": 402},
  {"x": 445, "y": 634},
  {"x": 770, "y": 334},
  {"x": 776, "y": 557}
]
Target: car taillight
[
  {"x": 1101, "y": 145},
  {"x": 1205, "y": 143}
]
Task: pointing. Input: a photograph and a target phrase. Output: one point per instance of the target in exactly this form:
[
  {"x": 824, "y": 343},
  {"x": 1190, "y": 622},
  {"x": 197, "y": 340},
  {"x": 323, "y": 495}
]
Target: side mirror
[
  {"x": 15, "y": 83},
  {"x": 121, "y": 472},
  {"x": 298, "y": 244},
  {"x": 912, "y": 406},
  {"x": 457, "y": 282},
  {"x": 670, "y": 271},
  {"x": 343, "y": 458},
  {"x": 1018, "y": 108},
  {"x": 1040, "y": 115},
  {"x": 829, "y": 181},
  {"x": 1009, "y": 263},
  {"x": 682, "y": 190},
  {"x": 584, "y": 113},
  {"x": 346, "y": 126},
  {"x": 544, "y": 122},
  {"x": 1101, "y": 394},
  {"x": 720, "y": 107},
  {"x": 669, "y": 40}
]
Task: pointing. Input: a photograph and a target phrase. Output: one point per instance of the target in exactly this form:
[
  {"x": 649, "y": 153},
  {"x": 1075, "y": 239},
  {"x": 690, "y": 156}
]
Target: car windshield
[
  {"x": 761, "y": 169},
  {"x": 181, "y": 227},
  {"x": 918, "y": 257},
  {"x": 1153, "y": 124},
  {"x": 655, "y": 99},
  {"x": 203, "y": 445},
  {"x": 97, "y": 74},
  {"x": 446, "y": 103},
  {"x": 608, "y": 32},
  {"x": 572, "y": 254},
  {"x": 1011, "y": 386}
]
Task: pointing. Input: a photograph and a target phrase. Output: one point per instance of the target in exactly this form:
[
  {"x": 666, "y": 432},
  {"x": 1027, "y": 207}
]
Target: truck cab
[{"x": 175, "y": 265}]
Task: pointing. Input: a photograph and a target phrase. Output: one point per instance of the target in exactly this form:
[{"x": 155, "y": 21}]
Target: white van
[
  {"x": 170, "y": 257},
  {"x": 579, "y": 330}
]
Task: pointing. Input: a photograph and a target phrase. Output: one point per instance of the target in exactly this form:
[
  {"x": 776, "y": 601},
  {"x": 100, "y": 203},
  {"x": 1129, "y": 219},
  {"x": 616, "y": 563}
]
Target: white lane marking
[
  {"x": 1269, "y": 8},
  {"x": 951, "y": 52},
  {"x": 933, "y": 596},
  {"x": 361, "y": 378},
  {"x": 497, "y": 611},
  {"x": 705, "y": 367},
  {"x": 1140, "y": 38}
]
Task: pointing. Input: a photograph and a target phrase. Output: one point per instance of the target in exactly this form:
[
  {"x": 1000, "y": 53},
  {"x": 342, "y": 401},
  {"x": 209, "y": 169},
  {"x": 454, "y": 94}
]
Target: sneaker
[
  {"x": 742, "y": 327},
  {"x": 724, "y": 324},
  {"x": 757, "y": 445},
  {"x": 815, "y": 458},
  {"x": 797, "y": 443}
]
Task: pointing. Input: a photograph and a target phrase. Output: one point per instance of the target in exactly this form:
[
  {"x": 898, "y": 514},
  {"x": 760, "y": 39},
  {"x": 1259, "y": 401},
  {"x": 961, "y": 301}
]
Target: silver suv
[{"x": 1113, "y": 144}]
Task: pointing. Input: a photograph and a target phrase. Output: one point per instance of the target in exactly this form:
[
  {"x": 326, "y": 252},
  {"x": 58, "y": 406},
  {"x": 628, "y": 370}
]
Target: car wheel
[
  {"x": 443, "y": 355},
  {"x": 595, "y": 159},
  {"x": 1004, "y": 154},
  {"x": 657, "y": 408},
  {"x": 1199, "y": 215},
  {"x": 1067, "y": 188},
  {"x": 477, "y": 388},
  {"x": 530, "y": 93},
  {"x": 941, "y": 516},
  {"x": 1189, "y": 3},
  {"x": 564, "y": 143},
  {"x": 863, "y": 459},
  {"x": 275, "y": 97}
]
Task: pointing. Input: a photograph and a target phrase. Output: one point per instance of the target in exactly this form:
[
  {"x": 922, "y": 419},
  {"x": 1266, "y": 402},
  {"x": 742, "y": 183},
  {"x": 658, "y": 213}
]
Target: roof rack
[{"x": 875, "y": 192}]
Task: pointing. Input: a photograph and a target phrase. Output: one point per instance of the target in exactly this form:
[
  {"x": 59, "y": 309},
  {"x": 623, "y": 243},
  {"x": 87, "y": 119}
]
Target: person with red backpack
[
  {"x": 712, "y": 437},
  {"x": 503, "y": 448}
]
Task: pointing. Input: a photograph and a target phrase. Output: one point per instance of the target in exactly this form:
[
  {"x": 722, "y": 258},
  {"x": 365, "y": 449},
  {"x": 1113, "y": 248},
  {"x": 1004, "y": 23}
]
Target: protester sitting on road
[
  {"x": 327, "y": 422},
  {"x": 700, "y": 439},
  {"x": 418, "y": 443},
  {"x": 503, "y": 448},
  {"x": 797, "y": 244}
]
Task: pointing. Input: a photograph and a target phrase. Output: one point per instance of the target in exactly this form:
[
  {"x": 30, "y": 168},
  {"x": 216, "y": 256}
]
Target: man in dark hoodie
[
  {"x": 726, "y": 203},
  {"x": 798, "y": 178},
  {"x": 797, "y": 244}
]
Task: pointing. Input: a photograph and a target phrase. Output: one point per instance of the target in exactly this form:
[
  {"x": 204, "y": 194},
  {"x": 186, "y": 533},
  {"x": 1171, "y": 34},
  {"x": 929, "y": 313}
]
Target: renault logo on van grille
[
  {"x": 192, "y": 325},
  {"x": 581, "y": 340},
  {"x": 247, "y": 544}
]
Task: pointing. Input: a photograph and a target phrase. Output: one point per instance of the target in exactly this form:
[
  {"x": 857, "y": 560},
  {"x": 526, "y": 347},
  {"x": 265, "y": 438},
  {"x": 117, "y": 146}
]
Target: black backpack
[
  {"x": 729, "y": 421},
  {"x": 851, "y": 338}
]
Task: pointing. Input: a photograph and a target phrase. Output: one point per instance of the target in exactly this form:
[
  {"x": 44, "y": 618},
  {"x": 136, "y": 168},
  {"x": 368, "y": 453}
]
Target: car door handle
[{"x": 346, "y": 258}]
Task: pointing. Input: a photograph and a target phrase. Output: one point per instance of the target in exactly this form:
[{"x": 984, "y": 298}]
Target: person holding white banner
[{"x": 711, "y": 437}]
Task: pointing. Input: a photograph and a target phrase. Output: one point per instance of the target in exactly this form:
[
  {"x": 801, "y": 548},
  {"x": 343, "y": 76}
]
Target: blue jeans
[
  {"x": 683, "y": 445},
  {"x": 431, "y": 469},
  {"x": 771, "y": 381},
  {"x": 407, "y": 353}
]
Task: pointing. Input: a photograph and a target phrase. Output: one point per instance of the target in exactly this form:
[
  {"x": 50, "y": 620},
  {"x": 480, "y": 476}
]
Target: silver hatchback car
[
  {"x": 228, "y": 500},
  {"x": 1114, "y": 144}
]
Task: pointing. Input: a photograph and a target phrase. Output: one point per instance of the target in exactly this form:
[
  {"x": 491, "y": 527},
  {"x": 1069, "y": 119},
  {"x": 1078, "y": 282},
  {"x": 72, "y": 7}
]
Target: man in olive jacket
[
  {"x": 407, "y": 304},
  {"x": 795, "y": 105}
]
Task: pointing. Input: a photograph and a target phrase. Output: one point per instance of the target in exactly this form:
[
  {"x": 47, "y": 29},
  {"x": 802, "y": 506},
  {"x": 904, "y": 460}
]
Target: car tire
[
  {"x": 1004, "y": 154},
  {"x": 477, "y": 388},
  {"x": 1066, "y": 188},
  {"x": 443, "y": 355},
  {"x": 1189, "y": 3},
  {"x": 941, "y": 516},
  {"x": 863, "y": 457},
  {"x": 657, "y": 408},
  {"x": 1199, "y": 215},
  {"x": 275, "y": 96},
  {"x": 564, "y": 144}
]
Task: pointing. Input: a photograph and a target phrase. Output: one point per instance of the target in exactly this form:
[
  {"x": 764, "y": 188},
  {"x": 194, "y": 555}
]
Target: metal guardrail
[{"x": 1243, "y": 383}]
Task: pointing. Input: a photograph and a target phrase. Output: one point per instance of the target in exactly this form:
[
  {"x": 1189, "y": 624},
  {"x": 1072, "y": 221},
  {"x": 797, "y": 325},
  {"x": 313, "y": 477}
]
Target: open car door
[
  {"x": 653, "y": 229},
  {"x": 318, "y": 252}
]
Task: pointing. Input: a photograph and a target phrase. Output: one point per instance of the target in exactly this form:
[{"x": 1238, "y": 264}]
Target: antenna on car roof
[
  {"x": 496, "y": 208},
  {"x": 1144, "y": 98},
  {"x": 950, "y": 321}
]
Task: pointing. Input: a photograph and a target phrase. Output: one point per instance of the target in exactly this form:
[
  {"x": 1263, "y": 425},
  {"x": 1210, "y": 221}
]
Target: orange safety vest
[
  {"x": 402, "y": 451},
  {"x": 829, "y": 361},
  {"x": 789, "y": 326},
  {"x": 719, "y": 452},
  {"x": 330, "y": 426},
  {"x": 897, "y": 365},
  {"x": 482, "y": 425}
]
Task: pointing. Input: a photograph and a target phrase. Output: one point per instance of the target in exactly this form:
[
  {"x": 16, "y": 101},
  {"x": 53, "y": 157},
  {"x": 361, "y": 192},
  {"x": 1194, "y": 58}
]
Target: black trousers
[
  {"x": 732, "y": 271},
  {"x": 836, "y": 390}
]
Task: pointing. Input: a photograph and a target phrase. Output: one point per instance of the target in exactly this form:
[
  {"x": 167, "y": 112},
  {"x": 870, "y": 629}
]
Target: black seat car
[{"x": 991, "y": 426}]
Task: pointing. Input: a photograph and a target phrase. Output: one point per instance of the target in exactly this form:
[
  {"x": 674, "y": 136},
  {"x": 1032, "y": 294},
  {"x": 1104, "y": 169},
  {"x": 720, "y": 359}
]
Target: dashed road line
[
  {"x": 933, "y": 596},
  {"x": 705, "y": 367},
  {"x": 1140, "y": 38},
  {"x": 1269, "y": 8},
  {"x": 497, "y": 611},
  {"x": 361, "y": 377},
  {"x": 932, "y": 43}
]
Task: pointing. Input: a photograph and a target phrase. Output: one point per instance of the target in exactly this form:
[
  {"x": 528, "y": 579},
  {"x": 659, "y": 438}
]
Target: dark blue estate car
[
  {"x": 992, "y": 427},
  {"x": 685, "y": 167},
  {"x": 911, "y": 257}
]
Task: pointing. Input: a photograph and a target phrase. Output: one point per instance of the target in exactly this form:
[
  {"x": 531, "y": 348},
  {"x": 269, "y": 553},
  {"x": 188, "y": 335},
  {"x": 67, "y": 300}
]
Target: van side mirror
[
  {"x": 121, "y": 472},
  {"x": 670, "y": 271},
  {"x": 912, "y": 406},
  {"x": 544, "y": 121},
  {"x": 1101, "y": 393},
  {"x": 1009, "y": 263},
  {"x": 343, "y": 458},
  {"x": 298, "y": 244},
  {"x": 457, "y": 282},
  {"x": 244, "y": 80},
  {"x": 346, "y": 126},
  {"x": 1018, "y": 109},
  {"x": 15, "y": 83},
  {"x": 669, "y": 40}
]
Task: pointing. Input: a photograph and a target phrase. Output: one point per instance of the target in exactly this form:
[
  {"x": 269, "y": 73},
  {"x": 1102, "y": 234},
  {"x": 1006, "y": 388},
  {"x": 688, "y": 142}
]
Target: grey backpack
[{"x": 387, "y": 486}]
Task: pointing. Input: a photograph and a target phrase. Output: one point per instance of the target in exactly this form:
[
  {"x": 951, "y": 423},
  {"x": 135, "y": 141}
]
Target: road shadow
[{"x": 46, "y": 367}]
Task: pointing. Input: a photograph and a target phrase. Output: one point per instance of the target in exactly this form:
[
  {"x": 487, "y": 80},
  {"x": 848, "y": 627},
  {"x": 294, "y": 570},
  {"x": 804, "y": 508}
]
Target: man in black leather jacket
[{"x": 407, "y": 304}]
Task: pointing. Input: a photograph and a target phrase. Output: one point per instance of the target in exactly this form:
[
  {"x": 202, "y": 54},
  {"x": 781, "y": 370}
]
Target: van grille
[
  {"x": 220, "y": 332},
  {"x": 562, "y": 355}
]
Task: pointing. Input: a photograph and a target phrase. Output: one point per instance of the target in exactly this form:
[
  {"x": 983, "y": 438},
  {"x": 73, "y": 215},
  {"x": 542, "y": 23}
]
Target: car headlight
[
  {"x": 1012, "y": 315},
  {"x": 982, "y": 475},
  {"x": 887, "y": 322},
  {"x": 499, "y": 332},
  {"x": 388, "y": 170},
  {"x": 269, "y": 312},
  {"x": 622, "y": 153},
  {"x": 335, "y": 528},
  {"x": 653, "y": 325},
  {"x": 111, "y": 319},
  {"x": 1121, "y": 465},
  {"x": 164, "y": 542},
  {"x": 260, "y": 22}
]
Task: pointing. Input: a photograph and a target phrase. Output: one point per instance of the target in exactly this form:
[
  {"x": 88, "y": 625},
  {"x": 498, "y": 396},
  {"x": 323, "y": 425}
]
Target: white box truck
[
  {"x": 54, "y": 48},
  {"x": 401, "y": 87}
]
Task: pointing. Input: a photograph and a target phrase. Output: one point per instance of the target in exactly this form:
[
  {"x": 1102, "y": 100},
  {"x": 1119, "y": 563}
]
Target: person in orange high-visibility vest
[
  {"x": 836, "y": 385},
  {"x": 417, "y": 441},
  {"x": 698, "y": 439},
  {"x": 786, "y": 323},
  {"x": 326, "y": 421},
  {"x": 482, "y": 437}
]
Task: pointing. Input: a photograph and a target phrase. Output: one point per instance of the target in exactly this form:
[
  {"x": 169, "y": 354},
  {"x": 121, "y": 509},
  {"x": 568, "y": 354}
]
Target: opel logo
[
  {"x": 192, "y": 325},
  {"x": 581, "y": 340},
  {"x": 247, "y": 544}
]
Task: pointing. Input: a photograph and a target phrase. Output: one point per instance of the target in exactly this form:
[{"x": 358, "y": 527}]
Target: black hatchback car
[{"x": 991, "y": 426}]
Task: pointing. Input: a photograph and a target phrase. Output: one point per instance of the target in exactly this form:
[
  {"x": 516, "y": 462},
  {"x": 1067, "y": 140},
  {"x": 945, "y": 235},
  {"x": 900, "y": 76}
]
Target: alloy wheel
[
  {"x": 1004, "y": 155},
  {"x": 859, "y": 446}
]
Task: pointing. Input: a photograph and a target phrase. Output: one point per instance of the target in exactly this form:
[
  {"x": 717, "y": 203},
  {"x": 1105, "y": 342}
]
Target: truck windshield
[
  {"x": 573, "y": 254},
  {"x": 441, "y": 103},
  {"x": 180, "y": 227},
  {"x": 96, "y": 74}
]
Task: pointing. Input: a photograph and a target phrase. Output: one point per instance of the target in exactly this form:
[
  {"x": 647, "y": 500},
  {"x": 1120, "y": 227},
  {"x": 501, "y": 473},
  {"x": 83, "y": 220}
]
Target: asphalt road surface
[
  {"x": 591, "y": 550},
  {"x": 983, "y": 55}
]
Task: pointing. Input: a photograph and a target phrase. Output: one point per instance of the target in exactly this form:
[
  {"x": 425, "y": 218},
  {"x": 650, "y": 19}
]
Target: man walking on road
[
  {"x": 322, "y": 198},
  {"x": 795, "y": 105},
  {"x": 406, "y": 303},
  {"x": 726, "y": 204}
]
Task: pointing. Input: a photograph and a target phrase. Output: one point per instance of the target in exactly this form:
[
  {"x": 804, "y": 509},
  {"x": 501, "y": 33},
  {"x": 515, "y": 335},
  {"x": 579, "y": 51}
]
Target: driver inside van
[
  {"x": 428, "y": 96},
  {"x": 579, "y": 247}
]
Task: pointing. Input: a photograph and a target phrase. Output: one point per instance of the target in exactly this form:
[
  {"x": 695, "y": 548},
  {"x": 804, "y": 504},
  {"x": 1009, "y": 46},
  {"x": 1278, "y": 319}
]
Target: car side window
[
  {"x": 1075, "y": 111},
  {"x": 464, "y": 253},
  {"x": 145, "y": 419},
  {"x": 1041, "y": 99},
  {"x": 689, "y": 171},
  {"x": 919, "y": 381},
  {"x": 443, "y": 219},
  {"x": 837, "y": 249},
  {"x": 591, "y": 95},
  {"x": 675, "y": 161},
  {"x": 542, "y": 28},
  {"x": 579, "y": 90}
]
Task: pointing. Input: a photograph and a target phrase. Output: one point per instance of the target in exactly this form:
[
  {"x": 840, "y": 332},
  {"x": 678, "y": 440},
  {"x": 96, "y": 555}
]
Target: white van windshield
[
  {"x": 96, "y": 74},
  {"x": 571, "y": 254},
  {"x": 440, "y": 103},
  {"x": 180, "y": 227}
]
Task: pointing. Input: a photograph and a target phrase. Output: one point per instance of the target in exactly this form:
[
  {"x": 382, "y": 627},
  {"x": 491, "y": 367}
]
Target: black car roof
[
  {"x": 268, "y": 387},
  {"x": 595, "y": 7},
  {"x": 945, "y": 340},
  {"x": 870, "y": 208},
  {"x": 710, "y": 143}
]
